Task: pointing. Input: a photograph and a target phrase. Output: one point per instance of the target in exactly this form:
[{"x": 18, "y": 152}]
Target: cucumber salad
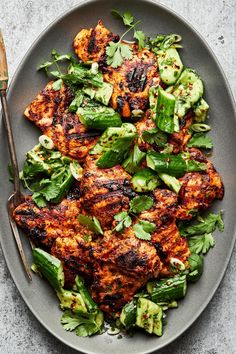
[{"x": 135, "y": 167}]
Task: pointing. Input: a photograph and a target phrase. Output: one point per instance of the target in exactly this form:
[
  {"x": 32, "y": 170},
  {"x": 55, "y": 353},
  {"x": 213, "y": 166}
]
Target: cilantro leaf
[
  {"x": 141, "y": 203},
  {"x": 201, "y": 243},
  {"x": 57, "y": 85},
  {"x": 91, "y": 223},
  {"x": 85, "y": 324},
  {"x": 141, "y": 233},
  {"x": 56, "y": 57},
  {"x": 131, "y": 164},
  {"x": 207, "y": 225},
  {"x": 51, "y": 190},
  {"x": 124, "y": 221},
  {"x": 69, "y": 320},
  {"x": 140, "y": 36},
  {"x": 117, "y": 53},
  {"x": 147, "y": 225},
  {"x": 127, "y": 17},
  {"x": 201, "y": 140},
  {"x": 155, "y": 136},
  {"x": 39, "y": 200}
]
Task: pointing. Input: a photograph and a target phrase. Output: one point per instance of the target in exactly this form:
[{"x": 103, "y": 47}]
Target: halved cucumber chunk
[{"x": 170, "y": 65}]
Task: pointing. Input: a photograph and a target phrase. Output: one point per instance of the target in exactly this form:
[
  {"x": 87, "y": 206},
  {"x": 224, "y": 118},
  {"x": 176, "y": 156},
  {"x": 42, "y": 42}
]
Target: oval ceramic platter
[{"x": 38, "y": 295}]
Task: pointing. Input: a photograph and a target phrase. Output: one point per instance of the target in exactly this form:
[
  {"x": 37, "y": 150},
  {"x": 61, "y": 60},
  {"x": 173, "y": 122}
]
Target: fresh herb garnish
[
  {"x": 128, "y": 20},
  {"x": 92, "y": 223},
  {"x": 141, "y": 203},
  {"x": 85, "y": 324},
  {"x": 201, "y": 140},
  {"x": 56, "y": 57},
  {"x": 142, "y": 228},
  {"x": 118, "y": 52},
  {"x": 199, "y": 235},
  {"x": 201, "y": 244},
  {"x": 207, "y": 225},
  {"x": 47, "y": 174},
  {"x": 124, "y": 220},
  {"x": 155, "y": 136}
]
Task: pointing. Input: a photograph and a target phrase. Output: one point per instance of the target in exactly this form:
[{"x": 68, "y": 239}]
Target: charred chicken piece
[
  {"x": 125, "y": 264},
  {"x": 49, "y": 112},
  {"x": 44, "y": 225},
  {"x": 145, "y": 124},
  {"x": 105, "y": 192},
  {"x": 75, "y": 253},
  {"x": 181, "y": 139},
  {"x": 164, "y": 209},
  {"x": 166, "y": 238},
  {"x": 169, "y": 243},
  {"x": 131, "y": 81},
  {"x": 199, "y": 190},
  {"x": 90, "y": 44}
]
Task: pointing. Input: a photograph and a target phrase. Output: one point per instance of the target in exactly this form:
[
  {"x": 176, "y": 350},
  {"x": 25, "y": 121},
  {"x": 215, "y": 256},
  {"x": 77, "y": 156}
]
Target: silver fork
[{"x": 17, "y": 197}]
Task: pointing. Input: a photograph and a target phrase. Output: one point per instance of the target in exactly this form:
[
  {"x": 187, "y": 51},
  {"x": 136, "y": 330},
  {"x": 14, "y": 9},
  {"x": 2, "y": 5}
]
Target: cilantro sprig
[
  {"x": 142, "y": 228},
  {"x": 84, "y": 324},
  {"x": 119, "y": 51},
  {"x": 200, "y": 238},
  {"x": 128, "y": 20},
  {"x": 92, "y": 223}
]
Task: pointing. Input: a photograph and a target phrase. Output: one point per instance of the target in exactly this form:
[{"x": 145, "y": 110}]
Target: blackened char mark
[
  {"x": 131, "y": 260},
  {"x": 120, "y": 103},
  {"x": 137, "y": 78},
  {"x": 92, "y": 47}
]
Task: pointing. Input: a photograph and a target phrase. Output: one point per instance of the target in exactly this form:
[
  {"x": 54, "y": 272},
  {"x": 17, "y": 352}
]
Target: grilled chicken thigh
[
  {"x": 105, "y": 192},
  {"x": 131, "y": 81},
  {"x": 166, "y": 238},
  {"x": 49, "y": 112},
  {"x": 199, "y": 190}
]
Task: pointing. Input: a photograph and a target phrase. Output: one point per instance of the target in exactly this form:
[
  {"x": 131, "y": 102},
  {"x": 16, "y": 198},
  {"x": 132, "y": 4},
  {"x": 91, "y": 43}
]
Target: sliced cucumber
[
  {"x": 188, "y": 90},
  {"x": 168, "y": 289},
  {"x": 165, "y": 111},
  {"x": 201, "y": 110},
  {"x": 149, "y": 316},
  {"x": 170, "y": 65},
  {"x": 71, "y": 300},
  {"x": 144, "y": 181},
  {"x": 128, "y": 314},
  {"x": 50, "y": 267},
  {"x": 100, "y": 94}
]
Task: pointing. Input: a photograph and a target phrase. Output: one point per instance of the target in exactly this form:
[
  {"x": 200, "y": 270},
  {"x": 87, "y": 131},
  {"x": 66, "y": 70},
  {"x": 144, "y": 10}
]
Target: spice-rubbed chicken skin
[
  {"x": 49, "y": 112},
  {"x": 44, "y": 225},
  {"x": 105, "y": 192},
  {"x": 166, "y": 238},
  {"x": 131, "y": 81},
  {"x": 199, "y": 190},
  {"x": 180, "y": 140},
  {"x": 125, "y": 265}
]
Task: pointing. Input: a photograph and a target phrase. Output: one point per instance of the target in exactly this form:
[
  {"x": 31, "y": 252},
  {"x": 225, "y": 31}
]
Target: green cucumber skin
[
  {"x": 64, "y": 188},
  {"x": 188, "y": 90},
  {"x": 173, "y": 165},
  {"x": 149, "y": 316},
  {"x": 169, "y": 289},
  {"x": 170, "y": 65},
  {"x": 144, "y": 181},
  {"x": 90, "y": 304},
  {"x": 116, "y": 154},
  {"x": 165, "y": 111},
  {"x": 100, "y": 121},
  {"x": 50, "y": 267},
  {"x": 128, "y": 314}
]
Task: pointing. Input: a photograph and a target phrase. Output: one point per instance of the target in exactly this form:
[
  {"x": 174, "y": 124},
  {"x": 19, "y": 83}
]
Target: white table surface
[{"x": 215, "y": 331}]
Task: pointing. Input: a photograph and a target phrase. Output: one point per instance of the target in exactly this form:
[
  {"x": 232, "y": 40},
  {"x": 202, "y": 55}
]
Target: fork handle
[
  {"x": 7, "y": 121},
  {"x": 3, "y": 65}
]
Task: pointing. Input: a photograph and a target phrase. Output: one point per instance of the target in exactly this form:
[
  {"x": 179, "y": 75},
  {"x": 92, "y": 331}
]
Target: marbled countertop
[{"x": 215, "y": 331}]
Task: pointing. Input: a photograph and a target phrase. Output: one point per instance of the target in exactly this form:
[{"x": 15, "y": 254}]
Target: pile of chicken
[{"x": 115, "y": 265}]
